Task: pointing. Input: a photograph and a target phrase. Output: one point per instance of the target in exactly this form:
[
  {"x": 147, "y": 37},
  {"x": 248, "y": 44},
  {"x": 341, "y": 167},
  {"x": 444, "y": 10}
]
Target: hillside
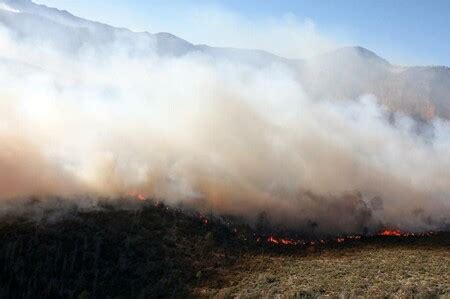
[{"x": 150, "y": 250}]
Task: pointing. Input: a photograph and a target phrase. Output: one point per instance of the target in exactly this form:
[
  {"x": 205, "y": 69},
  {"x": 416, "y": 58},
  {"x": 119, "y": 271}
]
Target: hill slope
[{"x": 149, "y": 251}]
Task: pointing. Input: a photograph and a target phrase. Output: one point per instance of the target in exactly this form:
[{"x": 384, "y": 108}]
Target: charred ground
[{"x": 152, "y": 250}]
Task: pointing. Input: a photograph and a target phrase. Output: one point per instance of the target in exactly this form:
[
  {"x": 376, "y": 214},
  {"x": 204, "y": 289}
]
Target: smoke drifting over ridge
[{"x": 113, "y": 117}]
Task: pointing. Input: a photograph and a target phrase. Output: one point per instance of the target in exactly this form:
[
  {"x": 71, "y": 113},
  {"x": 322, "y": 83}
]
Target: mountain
[
  {"x": 347, "y": 73},
  {"x": 422, "y": 92}
]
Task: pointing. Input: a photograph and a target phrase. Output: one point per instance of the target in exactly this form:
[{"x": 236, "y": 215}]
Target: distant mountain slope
[
  {"x": 423, "y": 92},
  {"x": 346, "y": 73}
]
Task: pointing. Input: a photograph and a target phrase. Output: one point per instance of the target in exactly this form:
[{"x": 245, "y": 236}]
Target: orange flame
[
  {"x": 273, "y": 240},
  {"x": 137, "y": 195},
  {"x": 391, "y": 233},
  {"x": 384, "y": 233},
  {"x": 276, "y": 240}
]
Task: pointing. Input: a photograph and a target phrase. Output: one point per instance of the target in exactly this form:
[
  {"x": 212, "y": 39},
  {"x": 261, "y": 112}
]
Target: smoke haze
[{"x": 109, "y": 116}]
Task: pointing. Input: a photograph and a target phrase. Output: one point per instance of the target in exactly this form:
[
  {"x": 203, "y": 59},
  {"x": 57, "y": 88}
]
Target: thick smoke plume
[{"x": 111, "y": 118}]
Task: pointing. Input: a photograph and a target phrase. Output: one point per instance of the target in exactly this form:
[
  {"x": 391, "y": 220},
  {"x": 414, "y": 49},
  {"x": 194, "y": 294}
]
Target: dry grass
[{"x": 370, "y": 270}]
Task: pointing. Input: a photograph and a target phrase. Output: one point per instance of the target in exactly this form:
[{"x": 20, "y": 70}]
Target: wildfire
[
  {"x": 392, "y": 233},
  {"x": 283, "y": 241},
  {"x": 137, "y": 195},
  {"x": 384, "y": 233},
  {"x": 279, "y": 241},
  {"x": 398, "y": 233},
  {"x": 275, "y": 240},
  {"x": 203, "y": 219}
]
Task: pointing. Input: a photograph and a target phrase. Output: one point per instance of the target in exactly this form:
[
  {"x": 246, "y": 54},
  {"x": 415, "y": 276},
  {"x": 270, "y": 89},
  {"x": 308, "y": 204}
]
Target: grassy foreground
[
  {"x": 152, "y": 251},
  {"x": 375, "y": 268}
]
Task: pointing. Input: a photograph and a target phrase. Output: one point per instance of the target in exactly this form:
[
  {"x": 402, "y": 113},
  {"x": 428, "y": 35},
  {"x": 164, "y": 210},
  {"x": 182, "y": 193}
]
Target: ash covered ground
[{"x": 149, "y": 250}]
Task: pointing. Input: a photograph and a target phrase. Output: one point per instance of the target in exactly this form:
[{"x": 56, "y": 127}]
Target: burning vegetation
[
  {"x": 143, "y": 248},
  {"x": 266, "y": 234},
  {"x": 384, "y": 233}
]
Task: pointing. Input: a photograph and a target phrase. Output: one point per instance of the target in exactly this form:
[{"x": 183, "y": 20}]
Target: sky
[{"x": 406, "y": 32}]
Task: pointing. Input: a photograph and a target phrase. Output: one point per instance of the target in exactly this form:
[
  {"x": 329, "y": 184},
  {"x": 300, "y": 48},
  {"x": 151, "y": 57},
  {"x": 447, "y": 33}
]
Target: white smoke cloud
[
  {"x": 286, "y": 36},
  {"x": 3, "y": 6},
  {"x": 105, "y": 120}
]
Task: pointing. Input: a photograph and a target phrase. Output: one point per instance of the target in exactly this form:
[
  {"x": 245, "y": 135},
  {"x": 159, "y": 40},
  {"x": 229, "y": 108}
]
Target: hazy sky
[{"x": 403, "y": 31}]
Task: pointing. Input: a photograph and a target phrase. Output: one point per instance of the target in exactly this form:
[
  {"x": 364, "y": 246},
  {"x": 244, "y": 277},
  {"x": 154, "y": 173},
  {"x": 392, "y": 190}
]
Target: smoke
[
  {"x": 286, "y": 35},
  {"x": 107, "y": 119}
]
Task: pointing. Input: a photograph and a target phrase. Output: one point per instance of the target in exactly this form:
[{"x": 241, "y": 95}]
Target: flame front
[
  {"x": 384, "y": 233},
  {"x": 137, "y": 195},
  {"x": 394, "y": 233},
  {"x": 283, "y": 241}
]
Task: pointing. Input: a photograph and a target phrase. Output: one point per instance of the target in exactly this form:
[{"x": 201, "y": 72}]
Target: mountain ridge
[
  {"x": 44, "y": 10},
  {"x": 345, "y": 73}
]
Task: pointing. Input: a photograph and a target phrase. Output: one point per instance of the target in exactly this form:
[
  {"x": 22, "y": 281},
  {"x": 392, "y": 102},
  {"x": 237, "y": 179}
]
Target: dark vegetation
[
  {"x": 152, "y": 251},
  {"x": 155, "y": 251}
]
